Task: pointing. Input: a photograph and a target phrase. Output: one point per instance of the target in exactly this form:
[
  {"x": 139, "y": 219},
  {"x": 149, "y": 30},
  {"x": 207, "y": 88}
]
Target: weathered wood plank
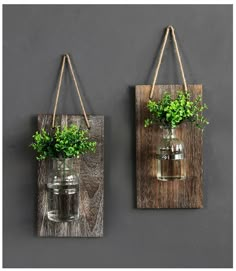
[
  {"x": 152, "y": 193},
  {"x": 91, "y": 192}
]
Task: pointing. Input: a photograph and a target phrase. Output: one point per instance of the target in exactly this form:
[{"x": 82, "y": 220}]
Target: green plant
[
  {"x": 170, "y": 112},
  {"x": 62, "y": 143}
]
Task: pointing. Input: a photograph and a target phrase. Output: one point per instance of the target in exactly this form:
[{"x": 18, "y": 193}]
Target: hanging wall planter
[
  {"x": 169, "y": 124},
  {"x": 70, "y": 176}
]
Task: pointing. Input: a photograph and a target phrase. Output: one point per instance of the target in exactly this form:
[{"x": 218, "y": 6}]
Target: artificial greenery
[
  {"x": 169, "y": 112},
  {"x": 67, "y": 142}
]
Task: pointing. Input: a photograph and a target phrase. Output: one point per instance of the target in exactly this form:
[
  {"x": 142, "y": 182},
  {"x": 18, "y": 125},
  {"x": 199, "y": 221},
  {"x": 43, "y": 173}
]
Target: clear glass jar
[
  {"x": 63, "y": 191},
  {"x": 171, "y": 164}
]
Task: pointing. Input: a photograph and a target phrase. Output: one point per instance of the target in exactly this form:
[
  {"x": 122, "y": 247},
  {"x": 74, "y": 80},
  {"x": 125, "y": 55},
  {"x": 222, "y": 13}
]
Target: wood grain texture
[
  {"x": 152, "y": 193},
  {"x": 91, "y": 192}
]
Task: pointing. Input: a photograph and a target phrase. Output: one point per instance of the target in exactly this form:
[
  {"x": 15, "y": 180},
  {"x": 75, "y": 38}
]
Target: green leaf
[
  {"x": 171, "y": 112},
  {"x": 67, "y": 142}
]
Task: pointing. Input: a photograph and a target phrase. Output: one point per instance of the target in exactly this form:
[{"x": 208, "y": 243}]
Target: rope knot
[{"x": 171, "y": 28}]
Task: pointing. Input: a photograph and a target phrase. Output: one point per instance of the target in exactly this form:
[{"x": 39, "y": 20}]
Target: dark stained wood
[
  {"x": 152, "y": 193},
  {"x": 91, "y": 193}
]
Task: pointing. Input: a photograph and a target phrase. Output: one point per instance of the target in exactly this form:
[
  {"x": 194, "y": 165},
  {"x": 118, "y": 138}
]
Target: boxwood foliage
[
  {"x": 169, "y": 112},
  {"x": 64, "y": 142}
]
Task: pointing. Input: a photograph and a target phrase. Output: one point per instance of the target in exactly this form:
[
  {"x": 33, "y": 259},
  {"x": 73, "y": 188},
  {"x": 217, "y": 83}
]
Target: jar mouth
[
  {"x": 168, "y": 131},
  {"x": 167, "y": 127},
  {"x": 63, "y": 159},
  {"x": 63, "y": 163}
]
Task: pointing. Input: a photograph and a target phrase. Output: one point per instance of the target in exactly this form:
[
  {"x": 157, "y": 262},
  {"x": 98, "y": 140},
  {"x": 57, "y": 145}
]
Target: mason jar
[
  {"x": 63, "y": 191},
  {"x": 171, "y": 164}
]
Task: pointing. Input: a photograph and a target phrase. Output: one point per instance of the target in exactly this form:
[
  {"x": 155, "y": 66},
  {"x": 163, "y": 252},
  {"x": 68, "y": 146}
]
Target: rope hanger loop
[
  {"x": 169, "y": 29},
  {"x": 64, "y": 58}
]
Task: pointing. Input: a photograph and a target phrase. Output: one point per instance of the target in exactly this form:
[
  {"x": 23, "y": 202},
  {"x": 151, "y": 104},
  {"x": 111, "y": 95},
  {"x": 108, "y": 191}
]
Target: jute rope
[
  {"x": 67, "y": 57},
  {"x": 168, "y": 30},
  {"x": 58, "y": 90}
]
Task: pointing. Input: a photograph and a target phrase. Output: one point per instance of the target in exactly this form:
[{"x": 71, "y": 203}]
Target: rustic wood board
[
  {"x": 91, "y": 193},
  {"x": 152, "y": 193}
]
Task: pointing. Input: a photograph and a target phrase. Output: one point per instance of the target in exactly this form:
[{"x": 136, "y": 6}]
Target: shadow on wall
[
  {"x": 131, "y": 92},
  {"x": 107, "y": 171},
  {"x": 34, "y": 127},
  {"x": 26, "y": 186}
]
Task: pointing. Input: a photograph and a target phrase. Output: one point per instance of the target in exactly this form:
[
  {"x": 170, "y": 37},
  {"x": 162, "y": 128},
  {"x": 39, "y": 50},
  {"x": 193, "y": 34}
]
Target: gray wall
[{"x": 113, "y": 48}]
